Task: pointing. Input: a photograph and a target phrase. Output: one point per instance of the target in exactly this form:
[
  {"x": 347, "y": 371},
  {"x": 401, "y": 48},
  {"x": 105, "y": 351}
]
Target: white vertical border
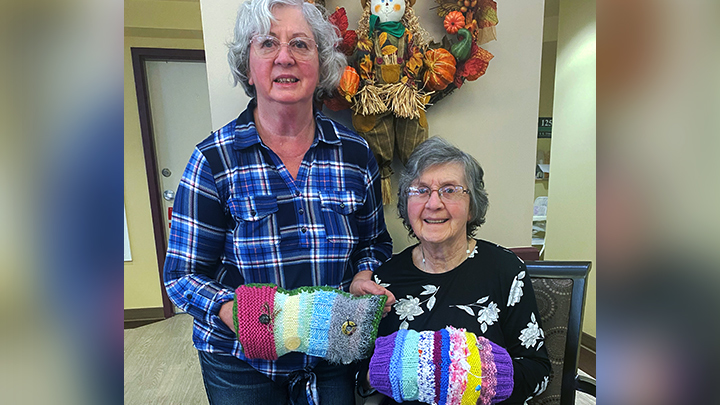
[{"x": 128, "y": 256}]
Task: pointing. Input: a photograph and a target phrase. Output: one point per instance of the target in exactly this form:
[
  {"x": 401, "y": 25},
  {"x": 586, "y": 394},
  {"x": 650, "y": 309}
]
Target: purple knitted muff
[
  {"x": 504, "y": 373},
  {"x": 379, "y": 376}
]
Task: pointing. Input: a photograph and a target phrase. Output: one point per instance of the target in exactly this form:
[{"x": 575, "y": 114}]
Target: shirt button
[
  {"x": 188, "y": 296},
  {"x": 304, "y": 229},
  {"x": 297, "y": 194},
  {"x": 301, "y": 211},
  {"x": 342, "y": 205},
  {"x": 253, "y": 213}
]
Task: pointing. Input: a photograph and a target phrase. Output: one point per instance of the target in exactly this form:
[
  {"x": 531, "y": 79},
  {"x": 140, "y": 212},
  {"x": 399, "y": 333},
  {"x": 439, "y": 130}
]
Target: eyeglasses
[
  {"x": 447, "y": 193},
  {"x": 268, "y": 46}
]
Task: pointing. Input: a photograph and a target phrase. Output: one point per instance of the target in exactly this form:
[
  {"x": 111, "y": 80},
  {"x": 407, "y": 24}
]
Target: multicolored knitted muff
[
  {"x": 319, "y": 321},
  {"x": 450, "y": 366}
]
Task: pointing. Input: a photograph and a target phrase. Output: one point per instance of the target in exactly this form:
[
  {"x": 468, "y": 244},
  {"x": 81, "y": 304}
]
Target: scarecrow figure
[
  {"x": 394, "y": 71},
  {"x": 389, "y": 109}
]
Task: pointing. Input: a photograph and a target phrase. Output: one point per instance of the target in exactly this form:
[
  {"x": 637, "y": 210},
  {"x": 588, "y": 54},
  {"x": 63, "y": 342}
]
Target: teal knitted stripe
[
  {"x": 409, "y": 363},
  {"x": 395, "y": 369},
  {"x": 320, "y": 322}
]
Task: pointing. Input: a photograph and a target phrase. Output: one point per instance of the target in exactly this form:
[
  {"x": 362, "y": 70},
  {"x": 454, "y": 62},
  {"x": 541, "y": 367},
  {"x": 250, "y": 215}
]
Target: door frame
[{"x": 139, "y": 57}]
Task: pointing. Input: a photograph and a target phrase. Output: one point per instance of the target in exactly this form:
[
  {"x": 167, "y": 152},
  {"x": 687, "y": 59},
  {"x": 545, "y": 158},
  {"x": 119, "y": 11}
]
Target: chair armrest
[{"x": 585, "y": 384}]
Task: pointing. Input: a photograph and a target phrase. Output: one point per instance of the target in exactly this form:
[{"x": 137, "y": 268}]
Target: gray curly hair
[
  {"x": 255, "y": 18},
  {"x": 438, "y": 151}
]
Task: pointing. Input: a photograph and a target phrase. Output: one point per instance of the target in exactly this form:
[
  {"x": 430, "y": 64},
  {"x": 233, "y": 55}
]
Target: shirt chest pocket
[
  {"x": 338, "y": 209},
  {"x": 256, "y": 220}
]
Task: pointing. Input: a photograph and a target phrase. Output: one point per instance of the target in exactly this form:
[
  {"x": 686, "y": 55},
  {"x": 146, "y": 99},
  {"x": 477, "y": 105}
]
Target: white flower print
[
  {"x": 486, "y": 316},
  {"x": 380, "y": 283},
  {"x": 542, "y": 386},
  {"x": 408, "y": 308},
  {"x": 474, "y": 252},
  {"x": 430, "y": 290},
  {"x": 530, "y": 335},
  {"x": 516, "y": 289}
]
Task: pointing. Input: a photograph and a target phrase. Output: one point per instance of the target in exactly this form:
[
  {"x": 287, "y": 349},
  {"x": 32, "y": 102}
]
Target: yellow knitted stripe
[
  {"x": 290, "y": 324},
  {"x": 279, "y": 324},
  {"x": 471, "y": 395}
]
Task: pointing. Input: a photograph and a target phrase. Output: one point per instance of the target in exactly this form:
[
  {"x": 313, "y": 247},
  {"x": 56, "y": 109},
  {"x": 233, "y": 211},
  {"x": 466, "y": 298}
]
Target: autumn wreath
[
  {"x": 435, "y": 68},
  {"x": 395, "y": 70}
]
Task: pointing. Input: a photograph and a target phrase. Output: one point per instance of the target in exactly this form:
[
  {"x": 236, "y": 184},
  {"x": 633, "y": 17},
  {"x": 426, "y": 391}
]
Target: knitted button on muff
[
  {"x": 450, "y": 366},
  {"x": 319, "y": 321}
]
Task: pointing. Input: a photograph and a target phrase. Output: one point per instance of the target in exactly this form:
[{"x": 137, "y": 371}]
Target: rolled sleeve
[{"x": 196, "y": 243}]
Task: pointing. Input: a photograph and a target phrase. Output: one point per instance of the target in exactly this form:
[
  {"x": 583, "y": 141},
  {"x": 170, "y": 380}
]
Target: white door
[{"x": 180, "y": 110}]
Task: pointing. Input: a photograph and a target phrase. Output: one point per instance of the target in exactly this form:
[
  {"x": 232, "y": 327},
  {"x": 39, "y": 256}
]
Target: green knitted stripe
[
  {"x": 311, "y": 290},
  {"x": 378, "y": 316},
  {"x": 304, "y": 318},
  {"x": 235, "y": 318}
]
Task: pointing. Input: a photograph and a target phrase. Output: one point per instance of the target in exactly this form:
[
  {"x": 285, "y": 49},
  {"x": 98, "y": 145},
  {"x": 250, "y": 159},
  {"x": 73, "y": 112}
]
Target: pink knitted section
[
  {"x": 257, "y": 339},
  {"x": 458, "y": 374},
  {"x": 489, "y": 371}
]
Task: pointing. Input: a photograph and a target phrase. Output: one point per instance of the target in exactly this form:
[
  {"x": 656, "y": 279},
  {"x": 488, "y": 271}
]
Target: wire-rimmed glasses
[
  {"x": 268, "y": 46},
  {"x": 446, "y": 193}
]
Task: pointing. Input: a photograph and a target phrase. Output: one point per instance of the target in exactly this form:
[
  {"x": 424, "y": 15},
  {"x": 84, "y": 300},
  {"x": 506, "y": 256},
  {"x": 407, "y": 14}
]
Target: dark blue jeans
[{"x": 229, "y": 380}]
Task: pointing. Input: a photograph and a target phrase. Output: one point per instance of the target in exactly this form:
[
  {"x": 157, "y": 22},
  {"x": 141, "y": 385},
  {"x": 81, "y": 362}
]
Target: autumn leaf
[
  {"x": 446, "y": 8},
  {"x": 339, "y": 19},
  {"x": 336, "y": 103},
  {"x": 366, "y": 67},
  {"x": 364, "y": 44},
  {"x": 477, "y": 64},
  {"x": 347, "y": 46},
  {"x": 488, "y": 13},
  {"x": 415, "y": 62},
  {"x": 382, "y": 38},
  {"x": 469, "y": 18},
  {"x": 389, "y": 49}
]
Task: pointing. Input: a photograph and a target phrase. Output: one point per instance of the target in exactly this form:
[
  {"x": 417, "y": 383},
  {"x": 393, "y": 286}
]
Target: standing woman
[{"x": 280, "y": 195}]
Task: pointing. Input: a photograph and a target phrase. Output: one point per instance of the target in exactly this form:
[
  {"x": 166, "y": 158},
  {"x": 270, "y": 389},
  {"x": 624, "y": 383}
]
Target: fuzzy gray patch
[{"x": 344, "y": 348}]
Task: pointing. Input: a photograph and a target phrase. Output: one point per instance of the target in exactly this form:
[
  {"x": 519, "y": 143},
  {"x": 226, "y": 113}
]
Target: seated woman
[{"x": 452, "y": 279}]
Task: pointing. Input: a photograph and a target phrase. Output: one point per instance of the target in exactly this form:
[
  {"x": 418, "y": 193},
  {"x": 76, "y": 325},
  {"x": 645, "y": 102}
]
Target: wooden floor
[{"x": 161, "y": 365}]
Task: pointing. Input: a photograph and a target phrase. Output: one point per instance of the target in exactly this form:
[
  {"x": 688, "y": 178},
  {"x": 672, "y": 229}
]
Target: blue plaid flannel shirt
[{"x": 239, "y": 217}]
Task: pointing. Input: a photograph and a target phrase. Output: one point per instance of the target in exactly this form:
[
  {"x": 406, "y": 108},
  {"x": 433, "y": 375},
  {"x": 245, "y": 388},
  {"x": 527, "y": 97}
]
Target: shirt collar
[{"x": 246, "y": 134}]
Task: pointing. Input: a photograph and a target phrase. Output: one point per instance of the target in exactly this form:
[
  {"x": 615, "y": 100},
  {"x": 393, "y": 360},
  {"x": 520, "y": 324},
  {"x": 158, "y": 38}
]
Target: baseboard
[
  {"x": 587, "y": 354},
  {"x": 137, "y": 317}
]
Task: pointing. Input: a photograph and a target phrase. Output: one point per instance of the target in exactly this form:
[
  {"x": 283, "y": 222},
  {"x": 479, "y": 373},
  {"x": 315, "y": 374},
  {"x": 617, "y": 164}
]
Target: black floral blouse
[{"x": 489, "y": 294}]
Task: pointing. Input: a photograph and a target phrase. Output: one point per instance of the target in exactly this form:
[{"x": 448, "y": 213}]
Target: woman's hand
[
  {"x": 363, "y": 284},
  {"x": 226, "y": 314}
]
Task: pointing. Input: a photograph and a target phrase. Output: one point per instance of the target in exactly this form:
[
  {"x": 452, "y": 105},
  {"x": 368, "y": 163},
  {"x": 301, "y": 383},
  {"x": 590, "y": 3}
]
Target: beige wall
[
  {"x": 148, "y": 24},
  {"x": 571, "y": 193},
  {"x": 494, "y": 118}
]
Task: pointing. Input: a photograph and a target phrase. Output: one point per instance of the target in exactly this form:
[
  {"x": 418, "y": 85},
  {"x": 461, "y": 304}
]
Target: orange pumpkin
[
  {"x": 454, "y": 20},
  {"x": 349, "y": 83},
  {"x": 440, "y": 70}
]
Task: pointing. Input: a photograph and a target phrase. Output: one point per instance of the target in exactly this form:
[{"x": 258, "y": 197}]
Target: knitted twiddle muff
[
  {"x": 446, "y": 367},
  {"x": 319, "y": 321}
]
